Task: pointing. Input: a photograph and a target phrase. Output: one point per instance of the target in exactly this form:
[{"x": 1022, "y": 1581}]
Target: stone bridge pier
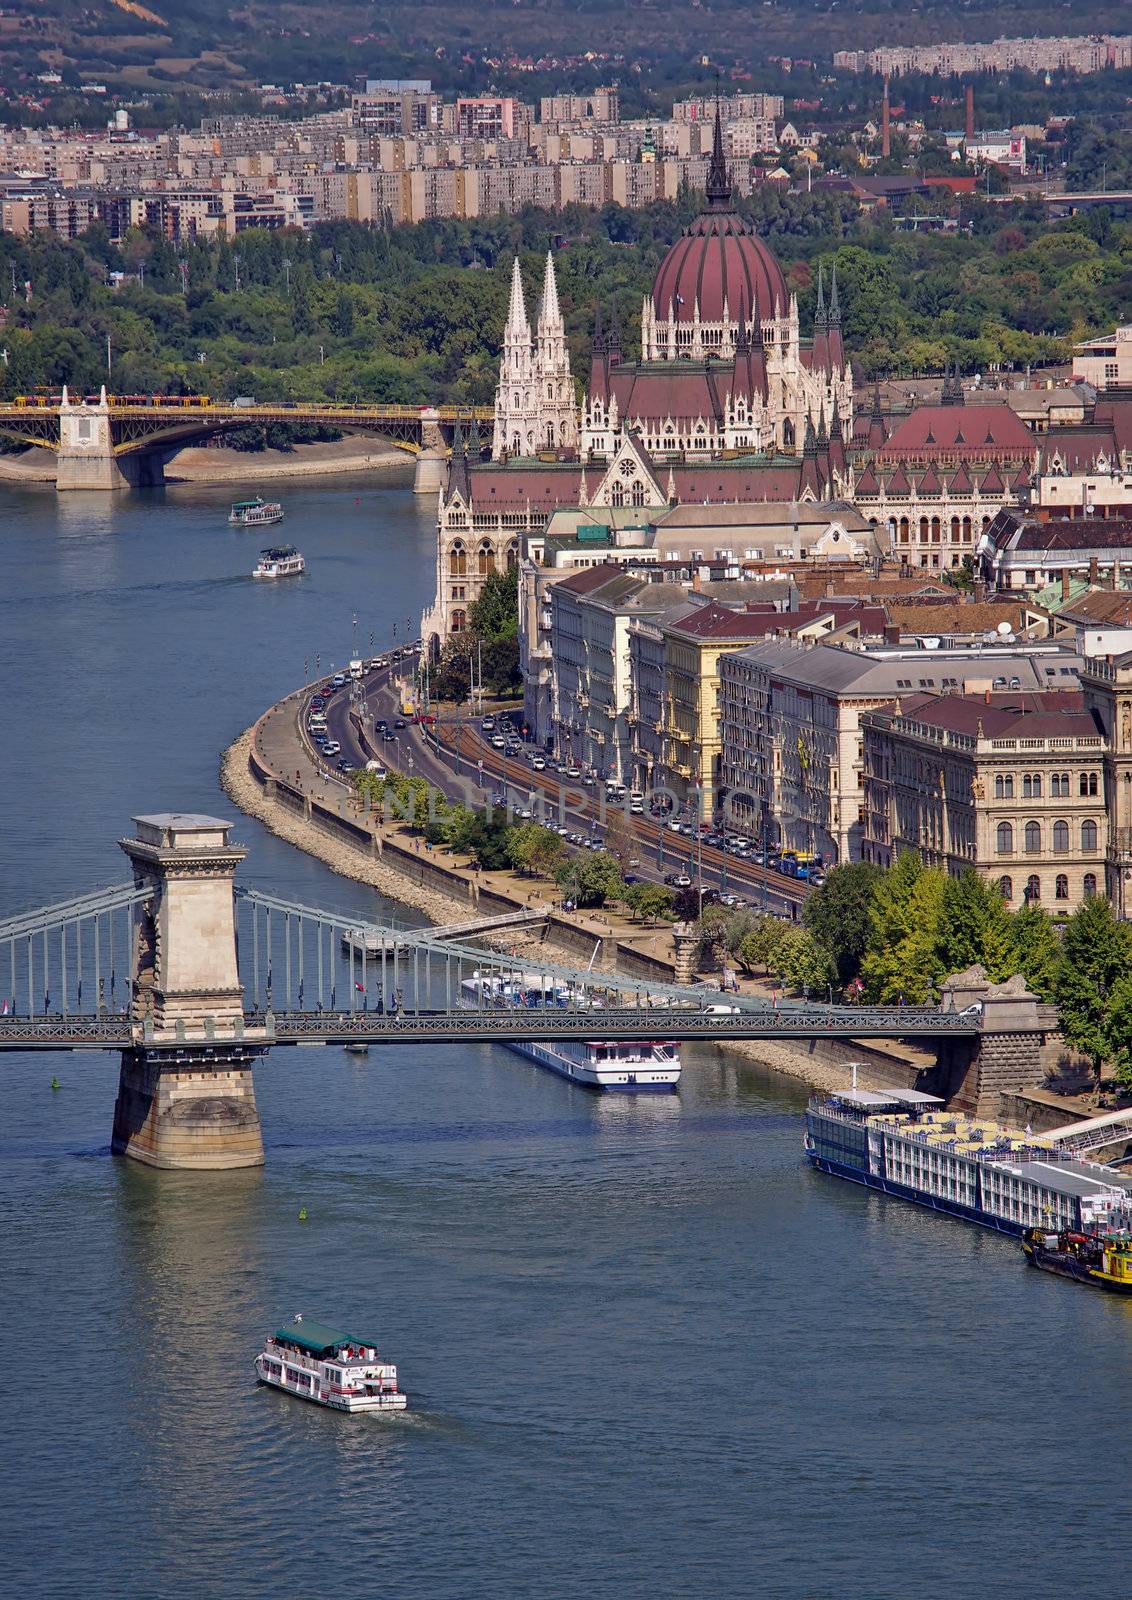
[
  {"x": 185, "y": 1092},
  {"x": 86, "y": 457},
  {"x": 433, "y": 458},
  {"x": 1016, "y": 1044}
]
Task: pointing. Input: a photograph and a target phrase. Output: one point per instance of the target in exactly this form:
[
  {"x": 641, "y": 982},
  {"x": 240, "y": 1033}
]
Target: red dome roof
[{"x": 718, "y": 258}]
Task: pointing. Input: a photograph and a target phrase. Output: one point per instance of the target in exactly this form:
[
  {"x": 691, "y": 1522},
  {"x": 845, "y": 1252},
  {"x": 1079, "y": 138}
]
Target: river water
[{"x": 649, "y": 1353}]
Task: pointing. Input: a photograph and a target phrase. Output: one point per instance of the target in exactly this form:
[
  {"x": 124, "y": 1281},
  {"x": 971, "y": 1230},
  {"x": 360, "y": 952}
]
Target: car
[
  {"x": 383, "y": 661},
  {"x": 380, "y": 724},
  {"x": 388, "y": 736},
  {"x": 637, "y": 808},
  {"x": 513, "y": 747},
  {"x": 524, "y": 814},
  {"x": 346, "y": 766},
  {"x": 573, "y": 771},
  {"x": 587, "y": 782},
  {"x": 488, "y": 724},
  {"x": 498, "y": 742},
  {"x": 317, "y": 702},
  {"x": 331, "y": 747},
  {"x": 399, "y": 722},
  {"x": 373, "y": 663},
  {"x": 678, "y": 880},
  {"x": 632, "y": 877},
  {"x": 425, "y": 719},
  {"x": 538, "y": 763},
  {"x": 338, "y": 681},
  {"x": 594, "y": 844},
  {"x": 561, "y": 828}
]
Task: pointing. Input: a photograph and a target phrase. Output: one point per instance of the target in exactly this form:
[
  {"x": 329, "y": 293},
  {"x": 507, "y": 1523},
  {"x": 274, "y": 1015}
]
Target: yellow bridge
[{"x": 109, "y": 441}]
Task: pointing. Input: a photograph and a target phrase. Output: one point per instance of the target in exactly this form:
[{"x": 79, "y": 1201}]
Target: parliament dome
[{"x": 719, "y": 260}]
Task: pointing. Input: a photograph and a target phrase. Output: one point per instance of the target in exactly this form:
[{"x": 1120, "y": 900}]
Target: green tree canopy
[{"x": 838, "y": 915}]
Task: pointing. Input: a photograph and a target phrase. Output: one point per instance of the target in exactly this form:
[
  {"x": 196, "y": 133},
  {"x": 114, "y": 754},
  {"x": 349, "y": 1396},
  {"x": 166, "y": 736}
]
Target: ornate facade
[{"x": 535, "y": 405}]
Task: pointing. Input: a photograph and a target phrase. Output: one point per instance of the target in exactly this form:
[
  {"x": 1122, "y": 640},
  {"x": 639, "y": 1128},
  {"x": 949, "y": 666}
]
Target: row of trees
[
  {"x": 414, "y": 314},
  {"x": 896, "y": 935}
]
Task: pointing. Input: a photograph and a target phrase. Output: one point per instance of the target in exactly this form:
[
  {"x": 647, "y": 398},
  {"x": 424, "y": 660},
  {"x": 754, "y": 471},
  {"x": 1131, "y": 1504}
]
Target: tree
[
  {"x": 805, "y": 963},
  {"x": 495, "y": 614},
  {"x": 902, "y": 960},
  {"x": 533, "y": 848},
  {"x": 591, "y": 879},
  {"x": 838, "y": 915},
  {"x": 1037, "y": 950},
  {"x": 974, "y": 926},
  {"x": 648, "y": 901},
  {"x": 1096, "y": 961},
  {"x": 760, "y": 946}
]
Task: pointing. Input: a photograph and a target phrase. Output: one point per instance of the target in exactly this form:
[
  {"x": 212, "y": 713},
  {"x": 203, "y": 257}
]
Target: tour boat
[
  {"x": 906, "y": 1143},
  {"x": 1103, "y": 1260},
  {"x": 255, "y": 513},
  {"x": 281, "y": 561},
  {"x": 332, "y": 1369},
  {"x": 626, "y": 1067}
]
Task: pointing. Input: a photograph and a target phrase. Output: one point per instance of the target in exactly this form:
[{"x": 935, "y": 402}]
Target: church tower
[
  {"x": 515, "y": 401},
  {"x": 558, "y": 411},
  {"x": 535, "y": 407}
]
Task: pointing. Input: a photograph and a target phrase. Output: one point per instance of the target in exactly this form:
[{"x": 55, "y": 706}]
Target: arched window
[
  {"x": 1005, "y": 839},
  {"x": 1061, "y": 836},
  {"x": 550, "y": 391},
  {"x": 923, "y": 528},
  {"x": 1088, "y": 837},
  {"x": 788, "y": 434},
  {"x": 458, "y": 560},
  {"x": 1089, "y": 885},
  {"x": 1032, "y": 786},
  {"x": 550, "y": 436},
  {"x": 459, "y": 621},
  {"x": 966, "y": 529},
  {"x": 486, "y": 559},
  {"x": 1033, "y": 887},
  {"x": 512, "y": 555},
  {"x": 1006, "y": 888},
  {"x": 617, "y": 495},
  {"x": 1004, "y": 786},
  {"x": 904, "y": 530},
  {"x": 1088, "y": 783},
  {"x": 1061, "y": 887},
  {"x": 638, "y": 493},
  {"x": 955, "y": 530},
  {"x": 935, "y": 530},
  {"x": 1033, "y": 838}
]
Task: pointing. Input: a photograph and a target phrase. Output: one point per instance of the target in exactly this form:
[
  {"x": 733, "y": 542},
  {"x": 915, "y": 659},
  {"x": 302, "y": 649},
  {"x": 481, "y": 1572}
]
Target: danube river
[{"x": 648, "y": 1352}]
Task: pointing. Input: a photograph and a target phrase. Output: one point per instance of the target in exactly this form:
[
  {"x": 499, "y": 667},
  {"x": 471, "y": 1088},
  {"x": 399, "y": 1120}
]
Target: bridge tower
[{"x": 185, "y": 1092}]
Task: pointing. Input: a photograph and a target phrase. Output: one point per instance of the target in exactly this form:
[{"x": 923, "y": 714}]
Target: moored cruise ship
[
  {"x": 632, "y": 1067},
  {"x": 333, "y": 1369},
  {"x": 902, "y": 1142}
]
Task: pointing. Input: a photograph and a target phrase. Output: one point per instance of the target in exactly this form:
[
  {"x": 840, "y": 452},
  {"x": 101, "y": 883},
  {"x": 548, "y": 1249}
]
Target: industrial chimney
[
  {"x": 885, "y": 135},
  {"x": 969, "y": 126}
]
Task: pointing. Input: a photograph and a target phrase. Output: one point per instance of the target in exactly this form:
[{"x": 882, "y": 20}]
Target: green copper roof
[{"x": 318, "y": 1338}]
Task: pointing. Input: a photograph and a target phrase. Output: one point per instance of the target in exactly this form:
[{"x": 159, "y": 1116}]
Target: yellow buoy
[{"x": 302, "y": 1213}]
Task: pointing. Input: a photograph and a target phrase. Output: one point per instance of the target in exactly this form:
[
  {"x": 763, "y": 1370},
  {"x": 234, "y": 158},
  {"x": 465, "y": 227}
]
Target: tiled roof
[
  {"x": 972, "y": 430},
  {"x": 1053, "y": 714}
]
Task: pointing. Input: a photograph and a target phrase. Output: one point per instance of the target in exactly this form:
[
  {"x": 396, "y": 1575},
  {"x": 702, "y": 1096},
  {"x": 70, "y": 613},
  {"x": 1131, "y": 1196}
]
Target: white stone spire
[
  {"x": 517, "y": 325},
  {"x": 551, "y": 316}
]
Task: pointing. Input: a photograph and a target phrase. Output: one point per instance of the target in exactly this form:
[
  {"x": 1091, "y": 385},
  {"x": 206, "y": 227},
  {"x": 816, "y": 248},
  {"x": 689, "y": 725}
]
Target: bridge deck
[{"x": 502, "y": 1026}]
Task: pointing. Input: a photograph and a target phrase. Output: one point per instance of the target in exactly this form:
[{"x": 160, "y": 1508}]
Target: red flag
[{"x": 360, "y": 987}]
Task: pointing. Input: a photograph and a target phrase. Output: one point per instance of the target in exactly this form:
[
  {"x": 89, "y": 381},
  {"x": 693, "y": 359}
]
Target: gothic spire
[
  {"x": 819, "y": 314},
  {"x": 823, "y": 436},
  {"x": 475, "y": 448},
  {"x": 718, "y": 183},
  {"x": 457, "y": 438},
  {"x": 834, "y": 302},
  {"x": 517, "y": 324},
  {"x": 599, "y": 336},
  {"x": 613, "y": 343},
  {"x": 551, "y": 315}
]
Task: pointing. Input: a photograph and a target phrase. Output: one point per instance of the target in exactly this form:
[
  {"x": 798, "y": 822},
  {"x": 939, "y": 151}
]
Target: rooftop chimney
[
  {"x": 970, "y": 123},
  {"x": 1065, "y": 583}
]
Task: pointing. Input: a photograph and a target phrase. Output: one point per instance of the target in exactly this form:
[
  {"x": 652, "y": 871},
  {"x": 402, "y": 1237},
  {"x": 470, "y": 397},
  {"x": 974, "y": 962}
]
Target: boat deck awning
[{"x": 318, "y": 1338}]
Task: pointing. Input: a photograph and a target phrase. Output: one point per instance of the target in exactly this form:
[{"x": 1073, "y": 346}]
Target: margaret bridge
[
  {"x": 192, "y": 978},
  {"x": 110, "y": 442}
]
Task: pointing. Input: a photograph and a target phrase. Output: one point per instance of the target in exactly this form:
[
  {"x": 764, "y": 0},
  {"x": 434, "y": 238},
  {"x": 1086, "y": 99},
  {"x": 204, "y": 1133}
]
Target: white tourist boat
[
  {"x": 333, "y": 1369},
  {"x": 255, "y": 513},
  {"x": 625, "y": 1066},
  {"x": 280, "y": 561}
]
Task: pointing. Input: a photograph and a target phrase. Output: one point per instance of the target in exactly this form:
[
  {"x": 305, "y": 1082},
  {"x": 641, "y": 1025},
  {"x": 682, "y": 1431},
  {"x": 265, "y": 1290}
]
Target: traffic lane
[
  {"x": 790, "y": 890},
  {"x": 720, "y": 870}
]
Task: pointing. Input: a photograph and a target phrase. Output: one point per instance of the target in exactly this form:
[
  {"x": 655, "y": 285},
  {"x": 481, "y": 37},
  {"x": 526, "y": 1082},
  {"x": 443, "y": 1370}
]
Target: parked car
[{"x": 678, "y": 880}]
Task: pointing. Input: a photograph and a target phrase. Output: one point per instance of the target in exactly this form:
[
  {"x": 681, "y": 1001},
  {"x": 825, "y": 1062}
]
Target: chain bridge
[
  {"x": 192, "y": 978},
  {"x": 119, "y": 441}
]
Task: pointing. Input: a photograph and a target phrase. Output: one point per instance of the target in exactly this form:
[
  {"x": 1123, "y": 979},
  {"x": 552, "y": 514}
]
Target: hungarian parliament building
[{"x": 728, "y": 405}]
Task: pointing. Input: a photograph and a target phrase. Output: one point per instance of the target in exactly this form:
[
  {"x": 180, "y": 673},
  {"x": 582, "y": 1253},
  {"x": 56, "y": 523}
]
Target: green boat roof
[
  {"x": 318, "y": 1338},
  {"x": 247, "y": 505}
]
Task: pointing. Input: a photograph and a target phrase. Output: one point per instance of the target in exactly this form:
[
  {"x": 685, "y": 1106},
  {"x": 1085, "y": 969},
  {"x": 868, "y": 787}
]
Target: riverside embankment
[{"x": 270, "y": 772}]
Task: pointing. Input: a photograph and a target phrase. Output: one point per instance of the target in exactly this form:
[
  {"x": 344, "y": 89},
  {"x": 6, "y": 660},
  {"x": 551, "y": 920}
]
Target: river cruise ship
[
  {"x": 902, "y": 1142},
  {"x": 332, "y": 1369},
  {"x": 280, "y": 561},
  {"x": 255, "y": 513},
  {"x": 624, "y": 1067},
  {"x": 1100, "y": 1260}
]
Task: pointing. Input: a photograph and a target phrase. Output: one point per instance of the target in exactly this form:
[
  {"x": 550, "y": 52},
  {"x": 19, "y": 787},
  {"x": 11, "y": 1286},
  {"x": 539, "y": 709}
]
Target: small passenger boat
[
  {"x": 356, "y": 1048},
  {"x": 1103, "y": 1260},
  {"x": 255, "y": 513},
  {"x": 280, "y": 561},
  {"x": 333, "y": 1369}
]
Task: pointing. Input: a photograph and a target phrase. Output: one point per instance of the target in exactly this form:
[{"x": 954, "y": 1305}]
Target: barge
[
  {"x": 1101, "y": 1260},
  {"x": 902, "y": 1142}
]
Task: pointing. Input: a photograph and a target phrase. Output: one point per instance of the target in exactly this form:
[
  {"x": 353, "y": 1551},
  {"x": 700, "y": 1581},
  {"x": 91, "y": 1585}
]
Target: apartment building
[
  {"x": 1012, "y": 784},
  {"x": 792, "y": 757},
  {"x": 1106, "y": 362}
]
